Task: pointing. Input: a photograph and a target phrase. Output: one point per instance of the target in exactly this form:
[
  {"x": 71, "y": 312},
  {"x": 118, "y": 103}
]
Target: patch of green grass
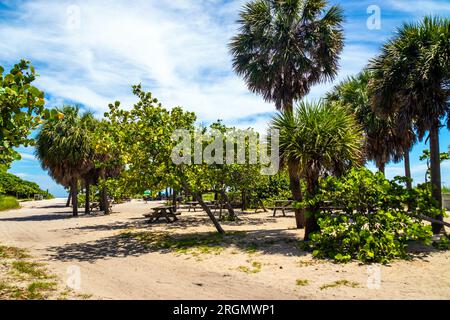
[
  {"x": 21, "y": 279},
  {"x": 443, "y": 243},
  {"x": 9, "y": 291},
  {"x": 210, "y": 243},
  {"x": 12, "y": 253},
  {"x": 301, "y": 282},
  {"x": 32, "y": 269},
  {"x": 34, "y": 291},
  {"x": 339, "y": 283},
  {"x": 85, "y": 296},
  {"x": 255, "y": 267},
  {"x": 309, "y": 263},
  {"x": 38, "y": 290},
  {"x": 251, "y": 248},
  {"x": 8, "y": 203}
]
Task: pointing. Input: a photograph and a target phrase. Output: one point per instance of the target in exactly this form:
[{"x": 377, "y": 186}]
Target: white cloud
[
  {"x": 21, "y": 175},
  {"x": 27, "y": 156},
  {"x": 177, "y": 49}
]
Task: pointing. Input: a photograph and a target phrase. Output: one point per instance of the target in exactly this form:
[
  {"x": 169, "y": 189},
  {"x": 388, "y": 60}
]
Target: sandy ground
[{"x": 112, "y": 267}]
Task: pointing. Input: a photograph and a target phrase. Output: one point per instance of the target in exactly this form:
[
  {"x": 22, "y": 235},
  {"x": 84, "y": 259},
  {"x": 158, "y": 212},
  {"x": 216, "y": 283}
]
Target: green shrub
[
  {"x": 8, "y": 203},
  {"x": 373, "y": 223},
  {"x": 443, "y": 243}
]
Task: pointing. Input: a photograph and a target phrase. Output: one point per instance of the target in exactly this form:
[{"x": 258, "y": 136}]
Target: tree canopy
[{"x": 21, "y": 108}]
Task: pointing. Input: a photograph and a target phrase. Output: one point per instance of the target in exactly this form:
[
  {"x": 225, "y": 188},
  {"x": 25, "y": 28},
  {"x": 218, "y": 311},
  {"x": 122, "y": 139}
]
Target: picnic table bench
[
  {"x": 94, "y": 206},
  {"x": 192, "y": 205},
  {"x": 167, "y": 212},
  {"x": 282, "y": 205}
]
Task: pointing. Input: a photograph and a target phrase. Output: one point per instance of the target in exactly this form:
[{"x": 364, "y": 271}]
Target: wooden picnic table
[
  {"x": 282, "y": 205},
  {"x": 167, "y": 212},
  {"x": 192, "y": 205}
]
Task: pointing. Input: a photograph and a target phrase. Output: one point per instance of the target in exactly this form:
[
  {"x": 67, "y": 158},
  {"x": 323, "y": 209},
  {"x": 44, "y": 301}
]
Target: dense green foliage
[
  {"x": 370, "y": 220},
  {"x": 272, "y": 188},
  {"x": 411, "y": 77},
  {"x": 17, "y": 187},
  {"x": 318, "y": 139},
  {"x": 8, "y": 203},
  {"x": 63, "y": 146},
  {"x": 21, "y": 108}
]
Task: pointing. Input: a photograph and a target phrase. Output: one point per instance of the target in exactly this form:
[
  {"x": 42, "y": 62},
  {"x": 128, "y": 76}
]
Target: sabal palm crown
[
  {"x": 412, "y": 73},
  {"x": 386, "y": 138},
  {"x": 412, "y": 76},
  {"x": 284, "y": 47},
  {"x": 64, "y": 147},
  {"x": 320, "y": 138}
]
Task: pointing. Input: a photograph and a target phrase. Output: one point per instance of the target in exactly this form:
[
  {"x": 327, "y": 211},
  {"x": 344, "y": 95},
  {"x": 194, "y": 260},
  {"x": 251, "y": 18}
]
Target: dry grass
[{"x": 23, "y": 279}]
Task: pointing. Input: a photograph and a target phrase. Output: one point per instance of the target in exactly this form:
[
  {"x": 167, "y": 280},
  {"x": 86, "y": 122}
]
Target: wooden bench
[
  {"x": 167, "y": 212},
  {"x": 94, "y": 206},
  {"x": 282, "y": 205},
  {"x": 192, "y": 205}
]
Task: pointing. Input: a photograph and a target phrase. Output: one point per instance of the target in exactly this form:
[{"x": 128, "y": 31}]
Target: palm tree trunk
[
  {"x": 311, "y": 227},
  {"x": 408, "y": 170},
  {"x": 382, "y": 168},
  {"x": 87, "y": 205},
  {"x": 435, "y": 162},
  {"x": 311, "y": 221},
  {"x": 244, "y": 200},
  {"x": 74, "y": 191},
  {"x": 69, "y": 198},
  {"x": 104, "y": 203},
  {"x": 174, "y": 200},
  {"x": 104, "y": 200},
  {"x": 296, "y": 195},
  {"x": 295, "y": 178}
]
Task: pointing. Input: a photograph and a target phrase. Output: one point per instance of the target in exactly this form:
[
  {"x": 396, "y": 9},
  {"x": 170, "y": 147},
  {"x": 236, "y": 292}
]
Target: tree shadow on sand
[
  {"x": 186, "y": 221},
  {"x": 138, "y": 243},
  {"x": 41, "y": 217},
  {"x": 49, "y": 217}
]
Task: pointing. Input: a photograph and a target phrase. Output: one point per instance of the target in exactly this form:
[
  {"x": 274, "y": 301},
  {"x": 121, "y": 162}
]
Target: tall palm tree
[
  {"x": 64, "y": 149},
  {"x": 89, "y": 176},
  {"x": 318, "y": 138},
  {"x": 282, "y": 49},
  {"x": 412, "y": 76},
  {"x": 387, "y": 139}
]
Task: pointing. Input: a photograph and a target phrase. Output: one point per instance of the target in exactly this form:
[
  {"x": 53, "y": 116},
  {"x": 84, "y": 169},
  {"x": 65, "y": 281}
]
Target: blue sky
[{"x": 91, "y": 52}]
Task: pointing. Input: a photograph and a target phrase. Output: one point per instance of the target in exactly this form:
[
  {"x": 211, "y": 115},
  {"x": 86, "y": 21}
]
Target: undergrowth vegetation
[
  {"x": 23, "y": 279},
  {"x": 370, "y": 220},
  {"x": 8, "y": 203}
]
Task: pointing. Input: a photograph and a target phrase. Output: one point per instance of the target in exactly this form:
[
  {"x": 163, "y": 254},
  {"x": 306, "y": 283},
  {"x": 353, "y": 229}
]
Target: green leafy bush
[
  {"x": 8, "y": 203},
  {"x": 443, "y": 243},
  {"x": 373, "y": 223}
]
